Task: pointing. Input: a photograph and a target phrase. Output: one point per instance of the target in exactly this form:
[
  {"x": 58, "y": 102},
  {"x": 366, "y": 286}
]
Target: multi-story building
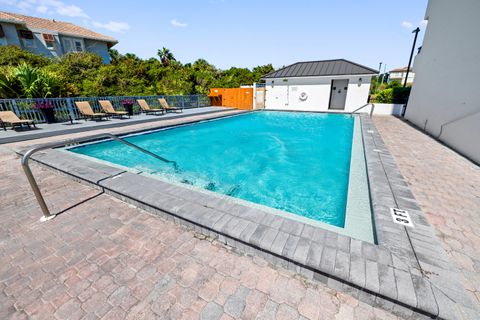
[{"x": 51, "y": 38}]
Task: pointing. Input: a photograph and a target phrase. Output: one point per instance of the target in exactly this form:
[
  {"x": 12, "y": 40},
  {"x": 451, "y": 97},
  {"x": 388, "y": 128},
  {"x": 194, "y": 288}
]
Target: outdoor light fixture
[{"x": 360, "y": 81}]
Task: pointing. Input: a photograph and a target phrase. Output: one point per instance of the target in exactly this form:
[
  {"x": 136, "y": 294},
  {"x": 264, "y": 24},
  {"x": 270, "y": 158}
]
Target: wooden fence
[{"x": 241, "y": 98}]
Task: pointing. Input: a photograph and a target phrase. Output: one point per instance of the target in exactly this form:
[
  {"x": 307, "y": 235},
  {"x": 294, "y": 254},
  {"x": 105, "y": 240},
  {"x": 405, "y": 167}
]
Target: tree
[
  {"x": 166, "y": 56},
  {"x": 260, "y": 71},
  {"x": 84, "y": 74},
  {"x": 115, "y": 56}
]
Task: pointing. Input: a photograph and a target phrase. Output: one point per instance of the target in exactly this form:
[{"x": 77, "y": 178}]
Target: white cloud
[
  {"x": 407, "y": 24},
  {"x": 178, "y": 24},
  {"x": 423, "y": 23},
  {"x": 42, "y": 9},
  {"x": 70, "y": 10},
  {"x": 47, "y": 6},
  {"x": 113, "y": 26}
]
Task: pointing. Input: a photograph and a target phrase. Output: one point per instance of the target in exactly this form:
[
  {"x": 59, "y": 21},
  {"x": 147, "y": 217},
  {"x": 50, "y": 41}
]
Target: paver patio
[
  {"x": 447, "y": 187},
  {"x": 104, "y": 258}
]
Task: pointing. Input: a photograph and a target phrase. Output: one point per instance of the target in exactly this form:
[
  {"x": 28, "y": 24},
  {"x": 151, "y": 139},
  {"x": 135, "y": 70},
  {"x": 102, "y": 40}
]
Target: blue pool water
[{"x": 296, "y": 162}]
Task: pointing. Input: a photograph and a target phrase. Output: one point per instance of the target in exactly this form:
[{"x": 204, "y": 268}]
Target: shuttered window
[{"x": 49, "y": 40}]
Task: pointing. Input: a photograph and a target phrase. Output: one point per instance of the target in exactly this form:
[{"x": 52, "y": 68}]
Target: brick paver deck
[
  {"x": 105, "y": 259},
  {"x": 447, "y": 187}
]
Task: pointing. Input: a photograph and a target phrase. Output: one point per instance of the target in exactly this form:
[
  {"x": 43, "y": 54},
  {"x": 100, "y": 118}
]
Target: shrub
[
  {"x": 401, "y": 94},
  {"x": 394, "y": 84},
  {"x": 385, "y": 96},
  {"x": 397, "y": 95},
  {"x": 14, "y": 56},
  {"x": 25, "y": 81},
  {"x": 9, "y": 86}
]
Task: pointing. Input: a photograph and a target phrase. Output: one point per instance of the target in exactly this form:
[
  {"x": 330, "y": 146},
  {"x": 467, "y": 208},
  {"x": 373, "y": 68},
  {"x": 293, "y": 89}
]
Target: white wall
[
  {"x": 384, "y": 109},
  {"x": 285, "y": 95},
  {"x": 446, "y": 76}
]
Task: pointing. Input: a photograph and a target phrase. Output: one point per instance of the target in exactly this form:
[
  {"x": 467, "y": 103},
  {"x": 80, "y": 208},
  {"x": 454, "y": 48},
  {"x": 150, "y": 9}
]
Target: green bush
[
  {"x": 25, "y": 81},
  {"x": 394, "y": 84},
  {"x": 401, "y": 94},
  {"x": 385, "y": 96},
  {"x": 14, "y": 56},
  {"x": 398, "y": 95}
]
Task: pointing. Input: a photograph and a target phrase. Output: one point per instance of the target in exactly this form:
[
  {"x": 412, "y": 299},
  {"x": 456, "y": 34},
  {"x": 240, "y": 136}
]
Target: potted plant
[
  {"x": 128, "y": 105},
  {"x": 46, "y": 108}
]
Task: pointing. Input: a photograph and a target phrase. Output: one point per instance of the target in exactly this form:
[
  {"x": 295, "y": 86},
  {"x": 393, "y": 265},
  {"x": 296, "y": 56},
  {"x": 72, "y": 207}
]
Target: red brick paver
[
  {"x": 106, "y": 259},
  {"x": 447, "y": 187}
]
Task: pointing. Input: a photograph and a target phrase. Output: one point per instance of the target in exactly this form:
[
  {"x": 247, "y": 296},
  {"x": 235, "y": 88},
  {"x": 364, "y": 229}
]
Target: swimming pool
[{"x": 295, "y": 162}]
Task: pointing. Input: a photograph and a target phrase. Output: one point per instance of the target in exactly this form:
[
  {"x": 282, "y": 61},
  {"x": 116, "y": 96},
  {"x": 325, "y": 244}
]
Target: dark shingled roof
[{"x": 335, "y": 67}]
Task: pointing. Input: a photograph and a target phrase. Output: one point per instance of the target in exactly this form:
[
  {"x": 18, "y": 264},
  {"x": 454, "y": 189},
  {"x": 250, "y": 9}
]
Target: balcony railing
[{"x": 65, "y": 109}]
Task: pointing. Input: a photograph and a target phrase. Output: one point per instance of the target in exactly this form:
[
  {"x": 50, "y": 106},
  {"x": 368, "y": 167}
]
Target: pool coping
[
  {"x": 34, "y": 134},
  {"x": 358, "y": 216},
  {"x": 407, "y": 272}
]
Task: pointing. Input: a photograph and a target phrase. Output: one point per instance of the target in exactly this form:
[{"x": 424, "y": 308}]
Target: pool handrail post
[
  {"x": 47, "y": 215},
  {"x": 36, "y": 190},
  {"x": 365, "y": 105}
]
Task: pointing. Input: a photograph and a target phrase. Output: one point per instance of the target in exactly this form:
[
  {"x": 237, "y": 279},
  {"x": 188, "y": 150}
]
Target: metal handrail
[
  {"x": 365, "y": 105},
  {"x": 455, "y": 120},
  {"x": 33, "y": 183}
]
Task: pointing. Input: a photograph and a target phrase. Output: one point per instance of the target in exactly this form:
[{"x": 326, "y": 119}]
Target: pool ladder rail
[
  {"x": 364, "y": 106},
  {"x": 47, "y": 215}
]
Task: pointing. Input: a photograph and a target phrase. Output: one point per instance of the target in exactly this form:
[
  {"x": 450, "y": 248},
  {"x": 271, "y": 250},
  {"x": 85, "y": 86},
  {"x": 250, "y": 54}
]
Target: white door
[
  {"x": 276, "y": 97},
  {"x": 338, "y": 94}
]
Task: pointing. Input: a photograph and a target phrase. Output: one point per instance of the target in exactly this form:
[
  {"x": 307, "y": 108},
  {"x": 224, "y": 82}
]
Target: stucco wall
[
  {"x": 11, "y": 34},
  {"x": 385, "y": 109},
  {"x": 40, "y": 46},
  {"x": 285, "y": 95},
  {"x": 99, "y": 48},
  {"x": 446, "y": 72}
]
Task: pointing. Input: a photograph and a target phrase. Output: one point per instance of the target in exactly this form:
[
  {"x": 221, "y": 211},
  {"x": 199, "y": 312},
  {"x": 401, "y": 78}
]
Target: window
[
  {"x": 27, "y": 38},
  {"x": 49, "y": 40},
  {"x": 72, "y": 45},
  {"x": 78, "y": 46},
  {"x": 26, "y": 34},
  {"x": 2, "y": 34}
]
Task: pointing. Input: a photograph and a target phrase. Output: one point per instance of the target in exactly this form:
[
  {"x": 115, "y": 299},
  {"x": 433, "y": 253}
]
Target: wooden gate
[{"x": 241, "y": 98}]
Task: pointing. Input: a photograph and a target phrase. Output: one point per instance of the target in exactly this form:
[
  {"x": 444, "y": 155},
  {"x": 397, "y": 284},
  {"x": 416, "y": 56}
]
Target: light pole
[
  {"x": 378, "y": 78},
  {"x": 384, "y": 72},
  {"x": 416, "y": 31}
]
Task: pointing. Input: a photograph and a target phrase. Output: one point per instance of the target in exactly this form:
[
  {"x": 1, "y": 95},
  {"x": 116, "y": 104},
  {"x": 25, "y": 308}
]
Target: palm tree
[
  {"x": 165, "y": 56},
  {"x": 29, "y": 80}
]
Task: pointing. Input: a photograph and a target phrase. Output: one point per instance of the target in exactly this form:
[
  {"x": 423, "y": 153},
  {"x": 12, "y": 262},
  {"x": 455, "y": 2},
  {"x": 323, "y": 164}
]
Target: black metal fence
[{"x": 65, "y": 109}]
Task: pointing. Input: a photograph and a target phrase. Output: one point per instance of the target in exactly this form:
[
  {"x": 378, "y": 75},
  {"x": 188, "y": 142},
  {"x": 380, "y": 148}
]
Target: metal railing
[
  {"x": 65, "y": 109},
  {"x": 364, "y": 106},
  {"x": 455, "y": 120},
  {"x": 33, "y": 183}
]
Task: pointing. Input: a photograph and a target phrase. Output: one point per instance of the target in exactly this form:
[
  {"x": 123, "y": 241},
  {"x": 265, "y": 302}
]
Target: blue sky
[{"x": 246, "y": 33}]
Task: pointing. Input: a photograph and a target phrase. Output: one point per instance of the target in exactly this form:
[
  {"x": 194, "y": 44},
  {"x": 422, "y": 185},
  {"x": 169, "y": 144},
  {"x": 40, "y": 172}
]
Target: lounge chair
[
  {"x": 9, "y": 118},
  {"x": 87, "y": 111},
  {"x": 168, "y": 108},
  {"x": 146, "y": 108},
  {"x": 108, "y": 109}
]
